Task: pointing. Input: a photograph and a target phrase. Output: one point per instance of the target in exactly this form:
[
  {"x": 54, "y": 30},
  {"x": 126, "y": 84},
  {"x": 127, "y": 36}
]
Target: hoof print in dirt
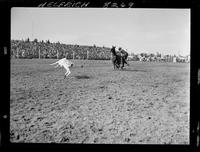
[
  {"x": 127, "y": 139},
  {"x": 96, "y": 140},
  {"x": 64, "y": 139}
]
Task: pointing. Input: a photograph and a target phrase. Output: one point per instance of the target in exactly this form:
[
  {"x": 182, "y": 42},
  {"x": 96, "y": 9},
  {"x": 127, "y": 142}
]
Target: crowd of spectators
[
  {"x": 42, "y": 50},
  {"x": 34, "y": 49}
]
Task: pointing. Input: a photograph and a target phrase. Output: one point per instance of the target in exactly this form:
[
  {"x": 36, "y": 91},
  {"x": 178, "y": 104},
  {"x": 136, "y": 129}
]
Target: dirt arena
[{"x": 146, "y": 103}]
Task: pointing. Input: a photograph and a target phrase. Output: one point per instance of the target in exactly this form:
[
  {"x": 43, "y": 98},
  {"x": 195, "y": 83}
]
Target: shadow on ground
[
  {"x": 134, "y": 70},
  {"x": 82, "y": 77}
]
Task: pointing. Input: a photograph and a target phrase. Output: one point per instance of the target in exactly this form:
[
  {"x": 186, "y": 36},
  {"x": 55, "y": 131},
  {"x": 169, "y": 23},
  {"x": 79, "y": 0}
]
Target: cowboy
[{"x": 124, "y": 55}]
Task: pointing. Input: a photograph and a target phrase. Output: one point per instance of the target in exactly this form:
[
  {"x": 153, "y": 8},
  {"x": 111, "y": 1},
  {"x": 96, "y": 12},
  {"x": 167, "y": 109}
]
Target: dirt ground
[{"x": 146, "y": 103}]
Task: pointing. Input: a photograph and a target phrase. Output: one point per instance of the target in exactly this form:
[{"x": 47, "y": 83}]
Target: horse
[{"x": 116, "y": 59}]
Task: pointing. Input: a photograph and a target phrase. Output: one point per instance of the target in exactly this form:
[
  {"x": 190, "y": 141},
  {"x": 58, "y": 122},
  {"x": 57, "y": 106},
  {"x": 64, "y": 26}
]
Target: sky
[{"x": 135, "y": 29}]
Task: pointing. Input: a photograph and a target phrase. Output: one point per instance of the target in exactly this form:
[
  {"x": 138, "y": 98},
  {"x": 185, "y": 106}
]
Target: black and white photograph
[{"x": 100, "y": 75}]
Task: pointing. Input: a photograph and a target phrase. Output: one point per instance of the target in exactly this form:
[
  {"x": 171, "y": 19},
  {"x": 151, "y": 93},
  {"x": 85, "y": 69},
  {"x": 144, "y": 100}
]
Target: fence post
[
  {"x": 66, "y": 55},
  {"x": 57, "y": 54},
  {"x": 73, "y": 55},
  {"x": 23, "y": 53},
  {"x": 87, "y": 54},
  {"x": 39, "y": 53},
  {"x": 17, "y": 52}
]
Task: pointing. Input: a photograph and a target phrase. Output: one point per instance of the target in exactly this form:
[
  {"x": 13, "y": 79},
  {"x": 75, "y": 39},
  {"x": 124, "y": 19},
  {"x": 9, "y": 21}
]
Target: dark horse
[{"x": 117, "y": 59}]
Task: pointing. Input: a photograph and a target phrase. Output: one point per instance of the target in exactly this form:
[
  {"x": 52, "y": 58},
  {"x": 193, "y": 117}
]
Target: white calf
[{"x": 64, "y": 63}]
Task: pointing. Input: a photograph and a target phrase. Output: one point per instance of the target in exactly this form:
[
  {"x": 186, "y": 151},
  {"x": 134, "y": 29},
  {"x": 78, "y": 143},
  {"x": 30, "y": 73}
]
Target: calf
[{"x": 64, "y": 63}]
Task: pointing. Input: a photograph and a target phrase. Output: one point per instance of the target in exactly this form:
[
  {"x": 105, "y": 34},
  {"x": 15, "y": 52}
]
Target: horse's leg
[
  {"x": 113, "y": 64},
  {"x": 122, "y": 62},
  {"x": 125, "y": 61},
  {"x": 116, "y": 65},
  {"x": 118, "y": 62}
]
